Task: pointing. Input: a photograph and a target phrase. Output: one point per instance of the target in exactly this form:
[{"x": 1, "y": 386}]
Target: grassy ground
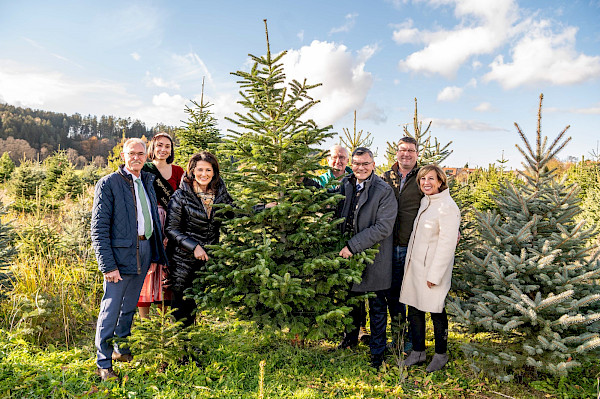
[{"x": 229, "y": 367}]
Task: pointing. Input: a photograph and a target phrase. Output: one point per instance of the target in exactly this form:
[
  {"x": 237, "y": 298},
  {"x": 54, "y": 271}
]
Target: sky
[{"x": 475, "y": 66}]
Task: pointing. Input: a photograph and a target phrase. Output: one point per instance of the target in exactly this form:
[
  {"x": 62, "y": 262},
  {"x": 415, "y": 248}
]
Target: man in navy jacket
[{"x": 127, "y": 237}]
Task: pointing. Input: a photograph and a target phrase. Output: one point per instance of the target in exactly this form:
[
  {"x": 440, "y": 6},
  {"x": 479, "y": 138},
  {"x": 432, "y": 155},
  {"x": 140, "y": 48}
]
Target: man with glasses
[
  {"x": 126, "y": 237},
  {"x": 402, "y": 178},
  {"x": 369, "y": 209}
]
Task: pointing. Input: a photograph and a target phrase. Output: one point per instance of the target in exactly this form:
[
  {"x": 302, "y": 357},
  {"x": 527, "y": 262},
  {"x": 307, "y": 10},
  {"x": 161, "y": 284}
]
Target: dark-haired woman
[
  {"x": 191, "y": 225},
  {"x": 161, "y": 155},
  {"x": 428, "y": 267}
]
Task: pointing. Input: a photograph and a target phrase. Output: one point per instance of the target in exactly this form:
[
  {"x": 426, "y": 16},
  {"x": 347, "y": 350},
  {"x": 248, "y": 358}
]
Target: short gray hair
[{"x": 132, "y": 141}]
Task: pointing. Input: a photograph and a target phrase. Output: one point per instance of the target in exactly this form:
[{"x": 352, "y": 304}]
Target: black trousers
[
  {"x": 183, "y": 309},
  {"x": 416, "y": 319}
]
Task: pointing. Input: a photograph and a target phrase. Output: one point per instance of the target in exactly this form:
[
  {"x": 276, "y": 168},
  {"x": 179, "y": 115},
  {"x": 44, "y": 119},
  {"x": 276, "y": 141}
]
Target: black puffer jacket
[{"x": 187, "y": 225}]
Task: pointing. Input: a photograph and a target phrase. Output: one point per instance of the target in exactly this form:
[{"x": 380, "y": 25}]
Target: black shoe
[
  {"x": 376, "y": 361},
  {"x": 107, "y": 374}
]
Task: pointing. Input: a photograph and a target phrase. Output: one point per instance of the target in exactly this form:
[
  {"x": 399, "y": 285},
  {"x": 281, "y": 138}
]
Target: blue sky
[{"x": 475, "y": 66}]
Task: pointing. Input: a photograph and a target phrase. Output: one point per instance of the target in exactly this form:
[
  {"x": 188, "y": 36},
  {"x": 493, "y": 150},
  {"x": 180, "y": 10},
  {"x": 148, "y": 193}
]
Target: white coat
[{"x": 430, "y": 254}]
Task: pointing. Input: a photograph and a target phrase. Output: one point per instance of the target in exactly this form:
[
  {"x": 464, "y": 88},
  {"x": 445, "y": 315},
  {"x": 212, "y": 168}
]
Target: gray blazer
[{"x": 373, "y": 223}]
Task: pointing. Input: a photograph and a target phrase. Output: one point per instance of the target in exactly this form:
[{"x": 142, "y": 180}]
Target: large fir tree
[
  {"x": 533, "y": 279},
  {"x": 280, "y": 267}
]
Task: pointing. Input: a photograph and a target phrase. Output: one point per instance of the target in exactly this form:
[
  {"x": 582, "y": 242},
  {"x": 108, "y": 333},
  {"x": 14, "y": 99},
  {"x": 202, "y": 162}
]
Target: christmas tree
[
  {"x": 199, "y": 133},
  {"x": 279, "y": 267},
  {"x": 533, "y": 279}
]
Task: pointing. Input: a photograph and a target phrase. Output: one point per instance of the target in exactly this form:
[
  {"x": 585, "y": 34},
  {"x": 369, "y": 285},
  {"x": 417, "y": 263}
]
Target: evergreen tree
[
  {"x": 6, "y": 167},
  {"x": 7, "y": 251},
  {"x": 430, "y": 150},
  {"x": 355, "y": 139},
  {"x": 533, "y": 279},
  {"x": 54, "y": 166},
  {"x": 26, "y": 180},
  {"x": 199, "y": 133},
  {"x": 280, "y": 267},
  {"x": 69, "y": 183}
]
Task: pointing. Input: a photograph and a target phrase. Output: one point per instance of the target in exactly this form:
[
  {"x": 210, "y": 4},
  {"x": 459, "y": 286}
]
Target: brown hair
[
  {"x": 151, "y": 145},
  {"x": 206, "y": 157},
  {"x": 441, "y": 175}
]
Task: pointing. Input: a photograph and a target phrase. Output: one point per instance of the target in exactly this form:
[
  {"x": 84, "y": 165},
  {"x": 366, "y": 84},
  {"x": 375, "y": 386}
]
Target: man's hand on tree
[{"x": 200, "y": 253}]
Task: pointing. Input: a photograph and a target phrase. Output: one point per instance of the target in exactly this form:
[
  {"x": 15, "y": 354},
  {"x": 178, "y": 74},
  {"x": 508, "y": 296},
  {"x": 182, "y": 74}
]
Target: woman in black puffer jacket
[{"x": 191, "y": 225}]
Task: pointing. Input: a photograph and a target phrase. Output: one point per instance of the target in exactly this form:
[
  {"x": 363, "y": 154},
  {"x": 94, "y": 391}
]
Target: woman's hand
[
  {"x": 430, "y": 284},
  {"x": 345, "y": 253},
  {"x": 200, "y": 253}
]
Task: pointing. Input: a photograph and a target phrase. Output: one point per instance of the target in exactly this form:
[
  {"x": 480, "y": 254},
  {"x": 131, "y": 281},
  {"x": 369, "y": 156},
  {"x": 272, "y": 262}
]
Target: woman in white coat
[{"x": 428, "y": 267}]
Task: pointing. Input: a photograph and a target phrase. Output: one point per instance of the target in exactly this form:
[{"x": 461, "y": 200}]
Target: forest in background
[{"x": 27, "y": 133}]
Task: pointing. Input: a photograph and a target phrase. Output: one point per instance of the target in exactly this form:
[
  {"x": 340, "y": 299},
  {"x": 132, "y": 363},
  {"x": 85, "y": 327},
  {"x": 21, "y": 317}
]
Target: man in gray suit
[{"x": 369, "y": 211}]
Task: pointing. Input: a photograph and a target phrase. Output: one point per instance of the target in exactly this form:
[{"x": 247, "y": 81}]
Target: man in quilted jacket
[{"x": 127, "y": 238}]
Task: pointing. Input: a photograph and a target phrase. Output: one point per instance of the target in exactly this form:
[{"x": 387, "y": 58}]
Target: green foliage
[
  {"x": 199, "y": 133},
  {"x": 160, "y": 339},
  {"x": 114, "y": 158},
  {"x": 279, "y": 267},
  {"x": 54, "y": 166},
  {"x": 533, "y": 280},
  {"x": 6, "y": 166},
  {"x": 479, "y": 189},
  {"x": 91, "y": 174},
  {"x": 68, "y": 184},
  {"x": 7, "y": 252},
  {"x": 26, "y": 180}
]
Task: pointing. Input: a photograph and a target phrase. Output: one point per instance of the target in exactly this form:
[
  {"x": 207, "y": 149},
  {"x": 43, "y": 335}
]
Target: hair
[
  {"x": 362, "y": 151},
  {"x": 152, "y": 143},
  {"x": 206, "y": 157},
  {"x": 408, "y": 140},
  {"x": 132, "y": 141},
  {"x": 339, "y": 148},
  {"x": 441, "y": 175}
]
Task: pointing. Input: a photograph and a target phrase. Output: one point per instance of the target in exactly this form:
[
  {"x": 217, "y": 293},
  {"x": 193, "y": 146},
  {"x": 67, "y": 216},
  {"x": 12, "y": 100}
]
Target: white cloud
[
  {"x": 542, "y": 56},
  {"x": 300, "y": 35},
  {"x": 189, "y": 66},
  {"x": 483, "y": 107},
  {"x": 590, "y": 110},
  {"x": 476, "y": 64},
  {"x": 465, "y": 125},
  {"x": 51, "y": 90},
  {"x": 135, "y": 56},
  {"x": 155, "y": 81},
  {"x": 450, "y": 93},
  {"x": 349, "y": 24},
  {"x": 484, "y": 26},
  {"x": 165, "y": 108},
  {"x": 406, "y": 33},
  {"x": 345, "y": 83}
]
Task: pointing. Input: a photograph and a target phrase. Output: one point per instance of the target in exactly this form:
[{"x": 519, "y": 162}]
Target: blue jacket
[{"x": 114, "y": 223}]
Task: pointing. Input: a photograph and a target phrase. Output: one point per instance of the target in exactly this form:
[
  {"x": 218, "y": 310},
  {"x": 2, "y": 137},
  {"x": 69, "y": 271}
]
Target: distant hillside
[{"x": 30, "y": 133}]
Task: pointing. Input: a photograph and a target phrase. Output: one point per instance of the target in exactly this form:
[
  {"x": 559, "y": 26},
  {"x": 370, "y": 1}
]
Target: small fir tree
[
  {"x": 54, "y": 166},
  {"x": 355, "y": 139},
  {"x": 7, "y": 252},
  {"x": 280, "y": 267},
  {"x": 26, "y": 180},
  {"x": 200, "y": 132},
  {"x": 7, "y": 166},
  {"x": 430, "y": 150},
  {"x": 533, "y": 279}
]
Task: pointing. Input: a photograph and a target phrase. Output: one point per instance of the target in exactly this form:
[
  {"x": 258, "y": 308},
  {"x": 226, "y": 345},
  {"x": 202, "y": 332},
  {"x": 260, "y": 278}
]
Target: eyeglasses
[
  {"x": 136, "y": 154},
  {"x": 408, "y": 151},
  {"x": 359, "y": 164}
]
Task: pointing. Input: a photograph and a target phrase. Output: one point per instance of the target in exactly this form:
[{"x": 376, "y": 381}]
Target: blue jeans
[
  {"x": 392, "y": 295},
  {"x": 378, "y": 316},
  {"x": 117, "y": 309}
]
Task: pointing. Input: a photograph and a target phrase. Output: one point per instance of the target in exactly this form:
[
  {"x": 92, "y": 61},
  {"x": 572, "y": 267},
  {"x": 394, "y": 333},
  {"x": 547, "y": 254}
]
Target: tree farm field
[{"x": 51, "y": 290}]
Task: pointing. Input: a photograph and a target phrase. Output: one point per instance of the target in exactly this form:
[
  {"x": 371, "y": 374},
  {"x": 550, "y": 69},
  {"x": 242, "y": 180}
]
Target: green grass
[{"x": 228, "y": 367}]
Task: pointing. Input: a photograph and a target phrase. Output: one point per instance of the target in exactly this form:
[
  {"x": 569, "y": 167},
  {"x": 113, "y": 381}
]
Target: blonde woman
[{"x": 428, "y": 267}]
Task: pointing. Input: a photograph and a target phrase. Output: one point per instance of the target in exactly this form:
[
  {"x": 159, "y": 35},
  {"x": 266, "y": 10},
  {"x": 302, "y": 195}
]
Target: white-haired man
[{"x": 127, "y": 237}]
